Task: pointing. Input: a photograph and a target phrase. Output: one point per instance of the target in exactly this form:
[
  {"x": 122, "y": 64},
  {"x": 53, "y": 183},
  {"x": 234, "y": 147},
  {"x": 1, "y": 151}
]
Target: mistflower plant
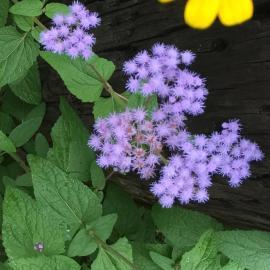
[
  {"x": 58, "y": 209},
  {"x": 70, "y": 33},
  {"x": 122, "y": 140}
]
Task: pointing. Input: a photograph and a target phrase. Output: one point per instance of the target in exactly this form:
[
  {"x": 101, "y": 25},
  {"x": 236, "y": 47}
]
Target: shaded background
[{"x": 236, "y": 63}]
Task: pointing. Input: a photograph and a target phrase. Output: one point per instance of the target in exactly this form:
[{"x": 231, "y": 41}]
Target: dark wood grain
[{"x": 236, "y": 63}]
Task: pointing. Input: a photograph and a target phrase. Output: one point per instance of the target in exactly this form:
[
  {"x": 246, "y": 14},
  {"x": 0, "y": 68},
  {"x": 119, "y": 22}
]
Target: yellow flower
[{"x": 202, "y": 13}]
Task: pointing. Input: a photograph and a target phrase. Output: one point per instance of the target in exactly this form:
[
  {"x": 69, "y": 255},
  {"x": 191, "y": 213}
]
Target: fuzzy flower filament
[{"x": 70, "y": 33}]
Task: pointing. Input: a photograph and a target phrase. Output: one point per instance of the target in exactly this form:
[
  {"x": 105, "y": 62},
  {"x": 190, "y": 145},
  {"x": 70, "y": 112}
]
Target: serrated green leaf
[
  {"x": 41, "y": 145},
  {"x": 181, "y": 227},
  {"x": 71, "y": 200},
  {"x": 36, "y": 33},
  {"x": 70, "y": 151},
  {"x": 204, "y": 255},
  {"x": 6, "y": 144},
  {"x": 18, "y": 52},
  {"x": 250, "y": 249},
  {"x": 105, "y": 106},
  {"x": 24, "y": 180},
  {"x": 29, "y": 8},
  {"x": 6, "y": 123},
  {"x": 14, "y": 106},
  {"x": 103, "y": 226},
  {"x": 108, "y": 260},
  {"x": 25, "y": 224},
  {"x": 4, "y": 6},
  {"x": 163, "y": 262},
  {"x": 29, "y": 88},
  {"x": 55, "y": 8},
  {"x": 82, "y": 244},
  {"x": 78, "y": 75},
  {"x": 103, "y": 262},
  {"x": 97, "y": 176},
  {"x": 123, "y": 247},
  {"x": 137, "y": 100},
  {"x": 232, "y": 266},
  {"x": 117, "y": 201},
  {"x": 24, "y": 132},
  {"x": 45, "y": 263},
  {"x": 23, "y": 22},
  {"x": 142, "y": 257}
]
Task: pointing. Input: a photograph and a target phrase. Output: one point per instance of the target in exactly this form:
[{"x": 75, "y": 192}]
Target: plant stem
[
  {"x": 122, "y": 101},
  {"x": 22, "y": 164},
  {"x": 100, "y": 242},
  {"x": 163, "y": 159},
  {"x": 39, "y": 23},
  {"x": 109, "y": 176}
]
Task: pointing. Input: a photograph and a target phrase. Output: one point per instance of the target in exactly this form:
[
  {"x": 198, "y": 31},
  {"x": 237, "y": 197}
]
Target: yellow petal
[
  {"x": 165, "y": 1},
  {"x": 233, "y": 12},
  {"x": 201, "y": 13}
]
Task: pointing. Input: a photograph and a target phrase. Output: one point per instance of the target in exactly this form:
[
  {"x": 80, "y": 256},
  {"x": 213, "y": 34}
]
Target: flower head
[{"x": 70, "y": 32}]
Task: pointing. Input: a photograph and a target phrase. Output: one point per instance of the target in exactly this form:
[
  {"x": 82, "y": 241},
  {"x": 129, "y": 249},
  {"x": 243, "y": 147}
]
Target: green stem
[
  {"x": 109, "y": 176},
  {"x": 22, "y": 164},
  {"x": 122, "y": 101},
  {"x": 39, "y": 23},
  {"x": 100, "y": 242},
  {"x": 163, "y": 159}
]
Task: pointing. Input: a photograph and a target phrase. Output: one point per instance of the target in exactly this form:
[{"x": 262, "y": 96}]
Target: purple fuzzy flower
[
  {"x": 127, "y": 142},
  {"x": 70, "y": 33}
]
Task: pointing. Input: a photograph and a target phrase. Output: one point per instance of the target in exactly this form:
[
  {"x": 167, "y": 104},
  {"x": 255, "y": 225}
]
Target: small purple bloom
[
  {"x": 70, "y": 33},
  {"x": 39, "y": 247}
]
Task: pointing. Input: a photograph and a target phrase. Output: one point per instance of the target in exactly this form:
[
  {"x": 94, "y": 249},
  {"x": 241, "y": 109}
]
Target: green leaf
[
  {"x": 15, "y": 106},
  {"x": 105, "y": 106},
  {"x": 97, "y": 176},
  {"x": 24, "y": 132},
  {"x": 103, "y": 226},
  {"x": 6, "y": 123},
  {"x": 29, "y": 8},
  {"x": 181, "y": 227},
  {"x": 103, "y": 261},
  {"x": 56, "y": 8},
  {"x": 70, "y": 151},
  {"x": 6, "y": 144},
  {"x": 108, "y": 260},
  {"x": 162, "y": 261},
  {"x": 25, "y": 224},
  {"x": 141, "y": 254},
  {"x": 18, "y": 52},
  {"x": 82, "y": 244},
  {"x": 36, "y": 33},
  {"x": 29, "y": 88},
  {"x": 78, "y": 76},
  {"x": 41, "y": 145},
  {"x": 204, "y": 255},
  {"x": 24, "y": 180},
  {"x": 137, "y": 100},
  {"x": 250, "y": 249},
  {"x": 71, "y": 200},
  {"x": 45, "y": 263},
  {"x": 23, "y": 22},
  {"x": 4, "y": 6},
  {"x": 118, "y": 201},
  {"x": 232, "y": 266}
]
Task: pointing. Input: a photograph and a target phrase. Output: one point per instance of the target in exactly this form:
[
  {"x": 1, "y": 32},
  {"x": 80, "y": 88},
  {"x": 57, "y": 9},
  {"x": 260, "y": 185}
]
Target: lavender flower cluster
[
  {"x": 134, "y": 140},
  {"x": 70, "y": 33},
  {"x": 164, "y": 72}
]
